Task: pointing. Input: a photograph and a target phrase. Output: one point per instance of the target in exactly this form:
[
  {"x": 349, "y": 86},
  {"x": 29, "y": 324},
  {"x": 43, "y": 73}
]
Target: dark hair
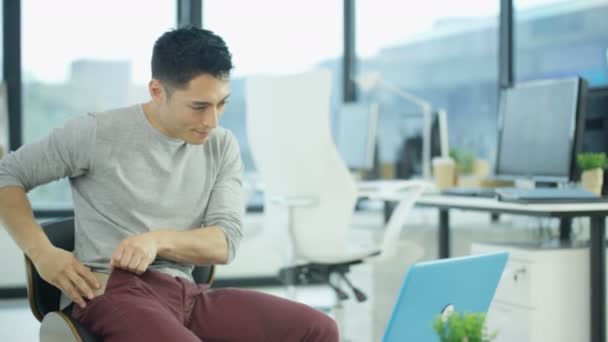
[{"x": 183, "y": 54}]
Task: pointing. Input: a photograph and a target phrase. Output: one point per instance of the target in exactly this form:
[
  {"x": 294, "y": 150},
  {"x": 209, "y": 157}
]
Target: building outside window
[{"x": 94, "y": 59}]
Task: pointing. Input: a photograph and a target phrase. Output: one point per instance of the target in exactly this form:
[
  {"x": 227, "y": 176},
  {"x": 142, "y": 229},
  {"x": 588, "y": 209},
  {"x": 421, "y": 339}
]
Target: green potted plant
[
  {"x": 463, "y": 327},
  {"x": 592, "y": 166},
  {"x": 464, "y": 160}
]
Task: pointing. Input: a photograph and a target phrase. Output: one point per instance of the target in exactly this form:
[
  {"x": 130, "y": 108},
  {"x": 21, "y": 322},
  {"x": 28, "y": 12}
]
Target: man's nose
[{"x": 210, "y": 119}]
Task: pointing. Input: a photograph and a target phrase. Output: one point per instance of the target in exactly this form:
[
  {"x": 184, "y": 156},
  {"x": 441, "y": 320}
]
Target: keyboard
[
  {"x": 536, "y": 195},
  {"x": 470, "y": 192},
  {"x": 546, "y": 195}
]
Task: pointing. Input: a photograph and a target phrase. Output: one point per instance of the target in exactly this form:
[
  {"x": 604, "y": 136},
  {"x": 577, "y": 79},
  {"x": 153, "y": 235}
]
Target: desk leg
[
  {"x": 598, "y": 279},
  {"x": 389, "y": 207},
  {"x": 444, "y": 233},
  {"x": 565, "y": 228}
]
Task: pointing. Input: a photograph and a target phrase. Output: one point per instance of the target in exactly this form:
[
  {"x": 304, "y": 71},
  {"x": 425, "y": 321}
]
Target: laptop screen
[{"x": 467, "y": 284}]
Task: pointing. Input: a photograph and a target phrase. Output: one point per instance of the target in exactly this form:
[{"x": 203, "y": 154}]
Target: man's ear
[{"x": 157, "y": 91}]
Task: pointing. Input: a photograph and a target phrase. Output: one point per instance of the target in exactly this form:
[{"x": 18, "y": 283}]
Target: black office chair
[{"x": 57, "y": 325}]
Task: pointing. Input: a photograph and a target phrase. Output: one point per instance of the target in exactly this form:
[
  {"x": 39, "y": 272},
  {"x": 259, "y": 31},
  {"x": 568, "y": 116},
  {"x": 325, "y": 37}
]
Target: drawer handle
[{"x": 518, "y": 273}]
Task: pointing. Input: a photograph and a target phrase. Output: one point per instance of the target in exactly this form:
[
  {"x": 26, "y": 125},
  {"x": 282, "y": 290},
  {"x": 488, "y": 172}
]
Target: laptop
[{"x": 464, "y": 284}]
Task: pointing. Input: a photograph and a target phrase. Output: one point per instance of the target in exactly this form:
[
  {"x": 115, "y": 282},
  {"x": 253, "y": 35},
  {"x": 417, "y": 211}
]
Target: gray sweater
[{"x": 128, "y": 178}]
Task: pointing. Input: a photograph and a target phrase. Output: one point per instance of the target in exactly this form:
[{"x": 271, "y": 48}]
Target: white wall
[{"x": 12, "y": 262}]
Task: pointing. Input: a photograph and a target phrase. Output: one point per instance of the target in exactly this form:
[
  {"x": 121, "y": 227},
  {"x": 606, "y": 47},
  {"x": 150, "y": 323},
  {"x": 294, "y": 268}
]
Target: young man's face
[{"x": 190, "y": 114}]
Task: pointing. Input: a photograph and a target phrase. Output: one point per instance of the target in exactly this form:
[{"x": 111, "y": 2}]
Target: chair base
[
  {"x": 313, "y": 273},
  {"x": 322, "y": 274}
]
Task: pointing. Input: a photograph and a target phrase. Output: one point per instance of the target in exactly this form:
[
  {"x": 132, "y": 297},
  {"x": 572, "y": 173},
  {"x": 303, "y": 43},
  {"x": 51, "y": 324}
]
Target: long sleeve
[
  {"x": 65, "y": 152},
  {"x": 225, "y": 208}
]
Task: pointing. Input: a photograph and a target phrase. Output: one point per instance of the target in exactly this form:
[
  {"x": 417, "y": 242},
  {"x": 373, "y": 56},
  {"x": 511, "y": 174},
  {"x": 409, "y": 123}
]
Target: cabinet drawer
[
  {"x": 514, "y": 285},
  {"x": 512, "y": 323}
]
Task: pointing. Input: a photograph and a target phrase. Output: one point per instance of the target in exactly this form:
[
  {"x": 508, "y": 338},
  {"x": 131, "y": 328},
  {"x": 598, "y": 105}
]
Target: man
[{"x": 156, "y": 189}]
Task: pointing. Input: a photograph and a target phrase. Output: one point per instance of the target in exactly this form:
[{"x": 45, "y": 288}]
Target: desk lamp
[{"x": 373, "y": 80}]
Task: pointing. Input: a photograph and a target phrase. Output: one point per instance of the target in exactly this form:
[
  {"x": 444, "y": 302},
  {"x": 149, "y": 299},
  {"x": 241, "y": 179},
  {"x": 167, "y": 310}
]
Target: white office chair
[{"x": 303, "y": 175}]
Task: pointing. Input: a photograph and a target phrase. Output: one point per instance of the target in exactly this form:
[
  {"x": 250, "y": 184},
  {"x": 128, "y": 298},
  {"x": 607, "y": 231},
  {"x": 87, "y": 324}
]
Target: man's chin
[{"x": 196, "y": 141}]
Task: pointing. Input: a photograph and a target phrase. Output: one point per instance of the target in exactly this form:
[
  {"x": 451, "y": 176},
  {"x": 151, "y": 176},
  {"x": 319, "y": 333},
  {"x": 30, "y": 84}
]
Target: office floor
[
  {"x": 361, "y": 319},
  {"x": 17, "y": 322}
]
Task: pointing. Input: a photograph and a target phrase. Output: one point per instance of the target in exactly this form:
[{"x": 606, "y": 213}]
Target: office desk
[{"x": 597, "y": 213}]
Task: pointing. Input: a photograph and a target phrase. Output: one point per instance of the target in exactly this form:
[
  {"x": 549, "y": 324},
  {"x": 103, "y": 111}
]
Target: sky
[
  {"x": 265, "y": 36},
  {"x": 59, "y": 31}
]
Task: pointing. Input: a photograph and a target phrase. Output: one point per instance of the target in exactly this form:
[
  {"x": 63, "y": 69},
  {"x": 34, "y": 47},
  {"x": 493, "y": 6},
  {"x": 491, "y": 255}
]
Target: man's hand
[
  {"x": 135, "y": 253},
  {"x": 61, "y": 269}
]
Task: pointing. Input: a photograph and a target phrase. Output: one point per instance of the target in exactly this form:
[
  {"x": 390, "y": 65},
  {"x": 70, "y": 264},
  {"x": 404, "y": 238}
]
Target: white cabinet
[
  {"x": 542, "y": 296},
  {"x": 511, "y": 322}
]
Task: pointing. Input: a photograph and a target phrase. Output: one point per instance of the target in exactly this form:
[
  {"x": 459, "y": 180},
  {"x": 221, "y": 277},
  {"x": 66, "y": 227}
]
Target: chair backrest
[
  {"x": 44, "y": 297},
  {"x": 290, "y": 138}
]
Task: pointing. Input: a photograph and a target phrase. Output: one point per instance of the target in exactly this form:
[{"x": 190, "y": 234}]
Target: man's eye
[{"x": 198, "y": 109}]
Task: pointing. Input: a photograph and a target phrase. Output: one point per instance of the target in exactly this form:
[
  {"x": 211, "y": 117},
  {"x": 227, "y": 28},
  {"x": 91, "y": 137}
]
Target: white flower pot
[{"x": 593, "y": 180}]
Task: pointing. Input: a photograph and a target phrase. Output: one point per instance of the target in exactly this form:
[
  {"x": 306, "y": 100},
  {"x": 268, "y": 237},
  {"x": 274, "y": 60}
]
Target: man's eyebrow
[{"x": 206, "y": 103}]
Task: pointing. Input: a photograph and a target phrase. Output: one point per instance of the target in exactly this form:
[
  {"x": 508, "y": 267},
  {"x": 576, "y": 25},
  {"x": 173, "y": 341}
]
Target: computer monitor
[
  {"x": 540, "y": 128},
  {"x": 356, "y": 134},
  {"x": 409, "y": 159},
  {"x": 596, "y": 126}
]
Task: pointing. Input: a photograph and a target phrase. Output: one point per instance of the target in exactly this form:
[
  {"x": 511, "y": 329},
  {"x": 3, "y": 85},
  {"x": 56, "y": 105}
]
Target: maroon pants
[{"x": 157, "y": 307}]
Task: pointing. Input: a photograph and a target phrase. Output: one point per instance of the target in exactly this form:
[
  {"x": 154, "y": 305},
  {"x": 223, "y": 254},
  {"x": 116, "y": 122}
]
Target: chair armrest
[
  {"x": 204, "y": 274},
  {"x": 31, "y": 294},
  {"x": 59, "y": 326}
]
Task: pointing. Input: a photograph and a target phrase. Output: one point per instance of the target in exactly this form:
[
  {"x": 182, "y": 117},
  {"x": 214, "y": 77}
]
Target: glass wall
[
  {"x": 443, "y": 51},
  {"x": 84, "y": 56},
  {"x": 557, "y": 38}
]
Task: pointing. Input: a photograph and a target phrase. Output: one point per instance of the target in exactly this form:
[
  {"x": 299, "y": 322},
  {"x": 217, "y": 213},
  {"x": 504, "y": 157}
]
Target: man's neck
[{"x": 152, "y": 114}]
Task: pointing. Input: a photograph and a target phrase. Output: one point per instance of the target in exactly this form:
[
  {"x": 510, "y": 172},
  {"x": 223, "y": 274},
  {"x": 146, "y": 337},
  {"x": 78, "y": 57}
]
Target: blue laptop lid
[{"x": 468, "y": 283}]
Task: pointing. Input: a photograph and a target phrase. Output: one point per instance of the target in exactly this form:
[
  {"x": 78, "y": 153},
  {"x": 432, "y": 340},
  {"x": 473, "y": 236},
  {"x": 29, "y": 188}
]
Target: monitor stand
[
  {"x": 524, "y": 184},
  {"x": 357, "y": 175}
]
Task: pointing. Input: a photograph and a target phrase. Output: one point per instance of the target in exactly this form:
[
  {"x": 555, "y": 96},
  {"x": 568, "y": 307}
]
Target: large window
[
  {"x": 274, "y": 37},
  {"x": 443, "y": 51},
  {"x": 557, "y": 38},
  {"x": 95, "y": 58}
]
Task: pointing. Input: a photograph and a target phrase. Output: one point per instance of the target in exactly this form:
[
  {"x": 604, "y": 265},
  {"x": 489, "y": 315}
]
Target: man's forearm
[
  {"x": 18, "y": 219},
  {"x": 198, "y": 246}
]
